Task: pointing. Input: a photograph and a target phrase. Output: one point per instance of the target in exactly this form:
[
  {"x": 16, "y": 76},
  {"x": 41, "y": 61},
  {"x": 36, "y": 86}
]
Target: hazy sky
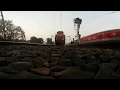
[{"x": 43, "y": 24}]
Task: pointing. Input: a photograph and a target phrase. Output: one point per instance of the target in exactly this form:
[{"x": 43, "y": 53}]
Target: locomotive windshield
[{"x": 60, "y": 32}]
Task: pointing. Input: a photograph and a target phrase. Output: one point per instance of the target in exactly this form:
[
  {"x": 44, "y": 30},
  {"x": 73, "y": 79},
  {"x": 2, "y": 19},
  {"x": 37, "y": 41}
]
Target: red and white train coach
[{"x": 108, "y": 35}]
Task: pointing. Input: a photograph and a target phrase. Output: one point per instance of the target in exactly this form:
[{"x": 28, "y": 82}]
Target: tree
[
  {"x": 34, "y": 39},
  {"x": 49, "y": 41},
  {"x": 1, "y": 38},
  {"x": 12, "y": 32},
  {"x": 40, "y": 40}
]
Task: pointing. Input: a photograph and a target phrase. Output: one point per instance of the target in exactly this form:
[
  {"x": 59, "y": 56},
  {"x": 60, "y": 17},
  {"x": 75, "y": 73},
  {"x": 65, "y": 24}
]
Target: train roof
[
  {"x": 101, "y": 32},
  {"x": 59, "y": 31}
]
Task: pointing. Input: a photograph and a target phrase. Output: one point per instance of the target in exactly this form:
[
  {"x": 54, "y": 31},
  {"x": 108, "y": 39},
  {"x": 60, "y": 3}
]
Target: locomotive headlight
[{"x": 115, "y": 34}]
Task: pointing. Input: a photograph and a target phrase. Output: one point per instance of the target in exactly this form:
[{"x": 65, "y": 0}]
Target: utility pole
[
  {"x": 78, "y": 22},
  {"x": 3, "y": 23}
]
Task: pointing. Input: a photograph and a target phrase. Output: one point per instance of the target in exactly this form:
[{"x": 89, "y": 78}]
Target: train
[
  {"x": 60, "y": 38},
  {"x": 112, "y": 35}
]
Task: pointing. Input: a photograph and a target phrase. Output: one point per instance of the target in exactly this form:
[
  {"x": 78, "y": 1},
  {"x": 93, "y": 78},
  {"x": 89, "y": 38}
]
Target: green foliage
[
  {"x": 40, "y": 40},
  {"x": 34, "y": 39},
  {"x": 49, "y": 41},
  {"x": 12, "y": 32},
  {"x": 1, "y": 38}
]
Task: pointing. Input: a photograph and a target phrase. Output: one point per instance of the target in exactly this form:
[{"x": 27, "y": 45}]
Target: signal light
[{"x": 77, "y": 20}]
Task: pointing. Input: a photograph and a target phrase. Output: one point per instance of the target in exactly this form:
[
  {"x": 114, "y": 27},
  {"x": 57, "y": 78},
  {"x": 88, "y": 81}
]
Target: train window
[
  {"x": 115, "y": 34},
  {"x": 106, "y": 35},
  {"x": 100, "y": 36},
  {"x": 94, "y": 37},
  {"x": 88, "y": 38},
  {"x": 60, "y": 32}
]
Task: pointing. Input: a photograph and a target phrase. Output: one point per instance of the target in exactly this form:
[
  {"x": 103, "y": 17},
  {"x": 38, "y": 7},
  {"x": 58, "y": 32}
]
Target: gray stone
[
  {"x": 2, "y": 59},
  {"x": 56, "y": 74},
  {"x": 52, "y": 59},
  {"x": 39, "y": 62},
  {"x": 65, "y": 62},
  {"x": 91, "y": 67},
  {"x": 57, "y": 68},
  {"x": 15, "y": 67},
  {"x": 41, "y": 71},
  {"x": 104, "y": 59},
  {"x": 76, "y": 73},
  {"x": 28, "y": 75},
  {"x": 105, "y": 72},
  {"x": 4, "y": 75},
  {"x": 56, "y": 55}
]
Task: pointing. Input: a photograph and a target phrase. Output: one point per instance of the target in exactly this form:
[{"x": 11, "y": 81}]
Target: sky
[{"x": 45, "y": 24}]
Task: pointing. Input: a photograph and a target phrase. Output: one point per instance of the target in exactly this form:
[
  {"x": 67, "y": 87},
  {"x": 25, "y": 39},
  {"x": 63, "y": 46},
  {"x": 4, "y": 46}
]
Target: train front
[{"x": 60, "y": 38}]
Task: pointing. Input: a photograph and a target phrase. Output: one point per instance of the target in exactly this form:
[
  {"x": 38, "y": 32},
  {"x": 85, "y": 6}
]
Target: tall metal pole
[
  {"x": 78, "y": 22},
  {"x": 3, "y": 23},
  {"x": 78, "y": 37}
]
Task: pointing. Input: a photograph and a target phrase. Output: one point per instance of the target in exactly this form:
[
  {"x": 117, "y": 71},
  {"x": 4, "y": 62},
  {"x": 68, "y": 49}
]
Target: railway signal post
[{"x": 78, "y": 21}]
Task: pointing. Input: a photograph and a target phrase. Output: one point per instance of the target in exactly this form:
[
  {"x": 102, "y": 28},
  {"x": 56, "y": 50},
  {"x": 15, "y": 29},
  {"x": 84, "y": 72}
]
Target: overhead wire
[
  {"x": 97, "y": 17},
  {"x": 61, "y": 20},
  {"x": 86, "y": 16},
  {"x": 92, "y": 13},
  {"x": 47, "y": 15},
  {"x": 34, "y": 19},
  {"x": 106, "y": 25},
  {"x": 37, "y": 18},
  {"x": 101, "y": 23},
  {"x": 54, "y": 22},
  {"x": 76, "y": 15}
]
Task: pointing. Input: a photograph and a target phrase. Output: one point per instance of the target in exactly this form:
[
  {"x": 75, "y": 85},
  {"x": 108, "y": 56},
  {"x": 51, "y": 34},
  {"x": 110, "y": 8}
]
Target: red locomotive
[
  {"x": 111, "y": 35},
  {"x": 60, "y": 38}
]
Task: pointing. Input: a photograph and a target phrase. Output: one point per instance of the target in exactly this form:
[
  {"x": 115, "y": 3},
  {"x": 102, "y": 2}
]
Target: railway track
[
  {"x": 111, "y": 44},
  {"x": 6, "y": 43}
]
